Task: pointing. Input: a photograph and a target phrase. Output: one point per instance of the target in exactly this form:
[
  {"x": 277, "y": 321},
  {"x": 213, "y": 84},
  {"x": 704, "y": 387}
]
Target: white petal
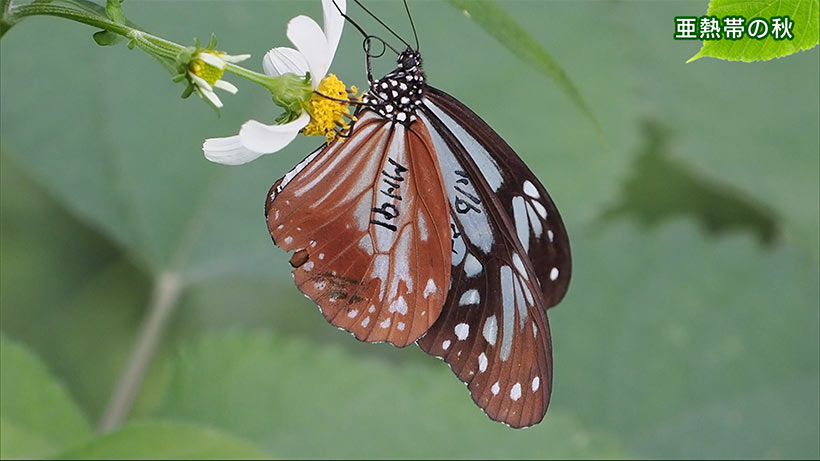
[
  {"x": 211, "y": 96},
  {"x": 284, "y": 60},
  {"x": 334, "y": 22},
  {"x": 199, "y": 81},
  {"x": 235, "y": 58},
  {"x": 227, "y": 86},
  {"x": 270, "y": 138},
  {"x": 212, "y": 59},
  {"x": 228, "y": 151},
  {"x": 311, "y": 42}
]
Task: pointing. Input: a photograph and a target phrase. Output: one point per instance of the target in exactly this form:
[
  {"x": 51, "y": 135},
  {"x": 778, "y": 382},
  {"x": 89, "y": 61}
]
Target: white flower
[
  {"x": 314, "y": 52},
  {"x": 206, "y": 70}
]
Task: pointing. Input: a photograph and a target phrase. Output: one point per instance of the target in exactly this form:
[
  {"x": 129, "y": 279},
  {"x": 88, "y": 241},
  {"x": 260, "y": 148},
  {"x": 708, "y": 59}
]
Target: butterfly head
[
  {"x": 397, "y": 95},
  {"x": 409, "y": 60}
]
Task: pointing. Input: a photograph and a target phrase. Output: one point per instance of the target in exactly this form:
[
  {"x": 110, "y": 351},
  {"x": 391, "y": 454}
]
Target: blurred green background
[{"x": 690, "y": 328}]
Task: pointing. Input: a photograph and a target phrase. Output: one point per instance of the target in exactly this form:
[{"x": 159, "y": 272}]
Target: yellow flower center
[
  {"x": 208, "y": 72},
  {"x": 327, "y": 116}
]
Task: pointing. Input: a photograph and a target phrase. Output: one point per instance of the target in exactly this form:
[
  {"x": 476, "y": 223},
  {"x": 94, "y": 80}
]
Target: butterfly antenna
[
  {"x": 367, "y": 37},
  {"x": 351, "y": 21},
  {"x": 412, "y": 24},
  {"x": 381, "y": 22}
]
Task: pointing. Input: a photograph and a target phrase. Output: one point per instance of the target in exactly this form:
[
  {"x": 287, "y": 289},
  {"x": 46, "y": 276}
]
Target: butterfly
[{"x": 424, "y": 226}]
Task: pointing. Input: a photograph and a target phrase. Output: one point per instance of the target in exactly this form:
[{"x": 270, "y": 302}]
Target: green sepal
[
  {"x": 131, "y": 44},
  {"x": 179, "y": 77},
  {"x": 292, "y": 94},
  {"x": 106, "y": 38},
  {"x": 185, "y": 56},
  {"x": 212, "y": 41},
  {"x": 287, "y": 117},
  {"x": 187, "y": 91}
]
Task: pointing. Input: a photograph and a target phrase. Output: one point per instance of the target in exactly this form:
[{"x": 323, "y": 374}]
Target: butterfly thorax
[{"x": 397, "y": 95}]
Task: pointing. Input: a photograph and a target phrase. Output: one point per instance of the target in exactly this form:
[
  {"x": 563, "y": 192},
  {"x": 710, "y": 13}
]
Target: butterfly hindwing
[
  {"x": 494, "y": 333},
  {"x": 364, "y": 220},
  {"x": 536, "y": 220}
]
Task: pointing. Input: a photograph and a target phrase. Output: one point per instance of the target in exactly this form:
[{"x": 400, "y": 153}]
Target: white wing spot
[
  {"x": 469, "y": 297},
  {"x": 363, "y": 211},
  {"x": 352, "y": 314},
  {"x": 553, "y": 273},
  {"x": 399, "y": 305},
  {"x": 490, "y": 330},
  {"x": 515, "y": 392},
  {"x": 366, "y": 321},
  {"x": 534, "y": 331},
  {"x": 371, "y": 309},
  {"x": 540, "y": 209},
  {"x": 536, "y": 382},
  {"x": 320, "y": 285},
  {"x": 400, "y": 326},
  {"x": 550, "y": 235},
  {"x": 313, "y": 243},
  {"x": 445, "y": 344},
  {"x": 321, "y": 256},
  {"x": 422, "y": 226},
  {"x": 482, "y": 362},
  {"x": 519, "y": 266},
  {"x": 472, "y": 266},
  {"x": 366, "y": 244},
  {"x": 288, "y": 240},
  {"x": 462, "y": 330},
  {"x": 530, "y": 190},
  {"x": 522, "y": 226},
  {"x": 508, "y": 312},
  {"x": 430, "y": 288},
  {"x": 386, "y": 323},
  {"x": 307, "y": 267},
  {"x": 495, "y": 389}
]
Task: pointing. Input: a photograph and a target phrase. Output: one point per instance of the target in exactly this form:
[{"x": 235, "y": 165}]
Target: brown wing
[{"x": 364, "y": 220}]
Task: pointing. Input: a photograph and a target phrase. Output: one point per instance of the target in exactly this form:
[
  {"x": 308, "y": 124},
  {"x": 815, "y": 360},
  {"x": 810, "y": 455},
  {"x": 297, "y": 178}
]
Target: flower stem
[
  {"x": 44, "y": 9},
  {"x": 151, "y": 44}
]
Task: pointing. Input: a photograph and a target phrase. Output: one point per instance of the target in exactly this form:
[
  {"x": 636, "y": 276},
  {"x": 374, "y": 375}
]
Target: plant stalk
[{"x": 167, "y": 290}]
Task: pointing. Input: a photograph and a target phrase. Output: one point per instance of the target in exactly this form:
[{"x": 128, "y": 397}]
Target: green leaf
[
  {"x": 166, "y": 440},
  {"x": 20, "y": 443},
  {"x": 65, "y": 291},
  {"x": 301, "y": 400},
  {"x": 694, "y": 347},
  {"x": 38, "y": 415},
  {"x": 504, "y": 28},
  {"x": 804, "y": 13}
]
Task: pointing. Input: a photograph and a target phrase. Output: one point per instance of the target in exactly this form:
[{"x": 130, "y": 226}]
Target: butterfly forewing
[
  {"x": 493, "y": 330},
  {"x": 364, "y": 220},
  {"x": 537, "y": 223}
]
